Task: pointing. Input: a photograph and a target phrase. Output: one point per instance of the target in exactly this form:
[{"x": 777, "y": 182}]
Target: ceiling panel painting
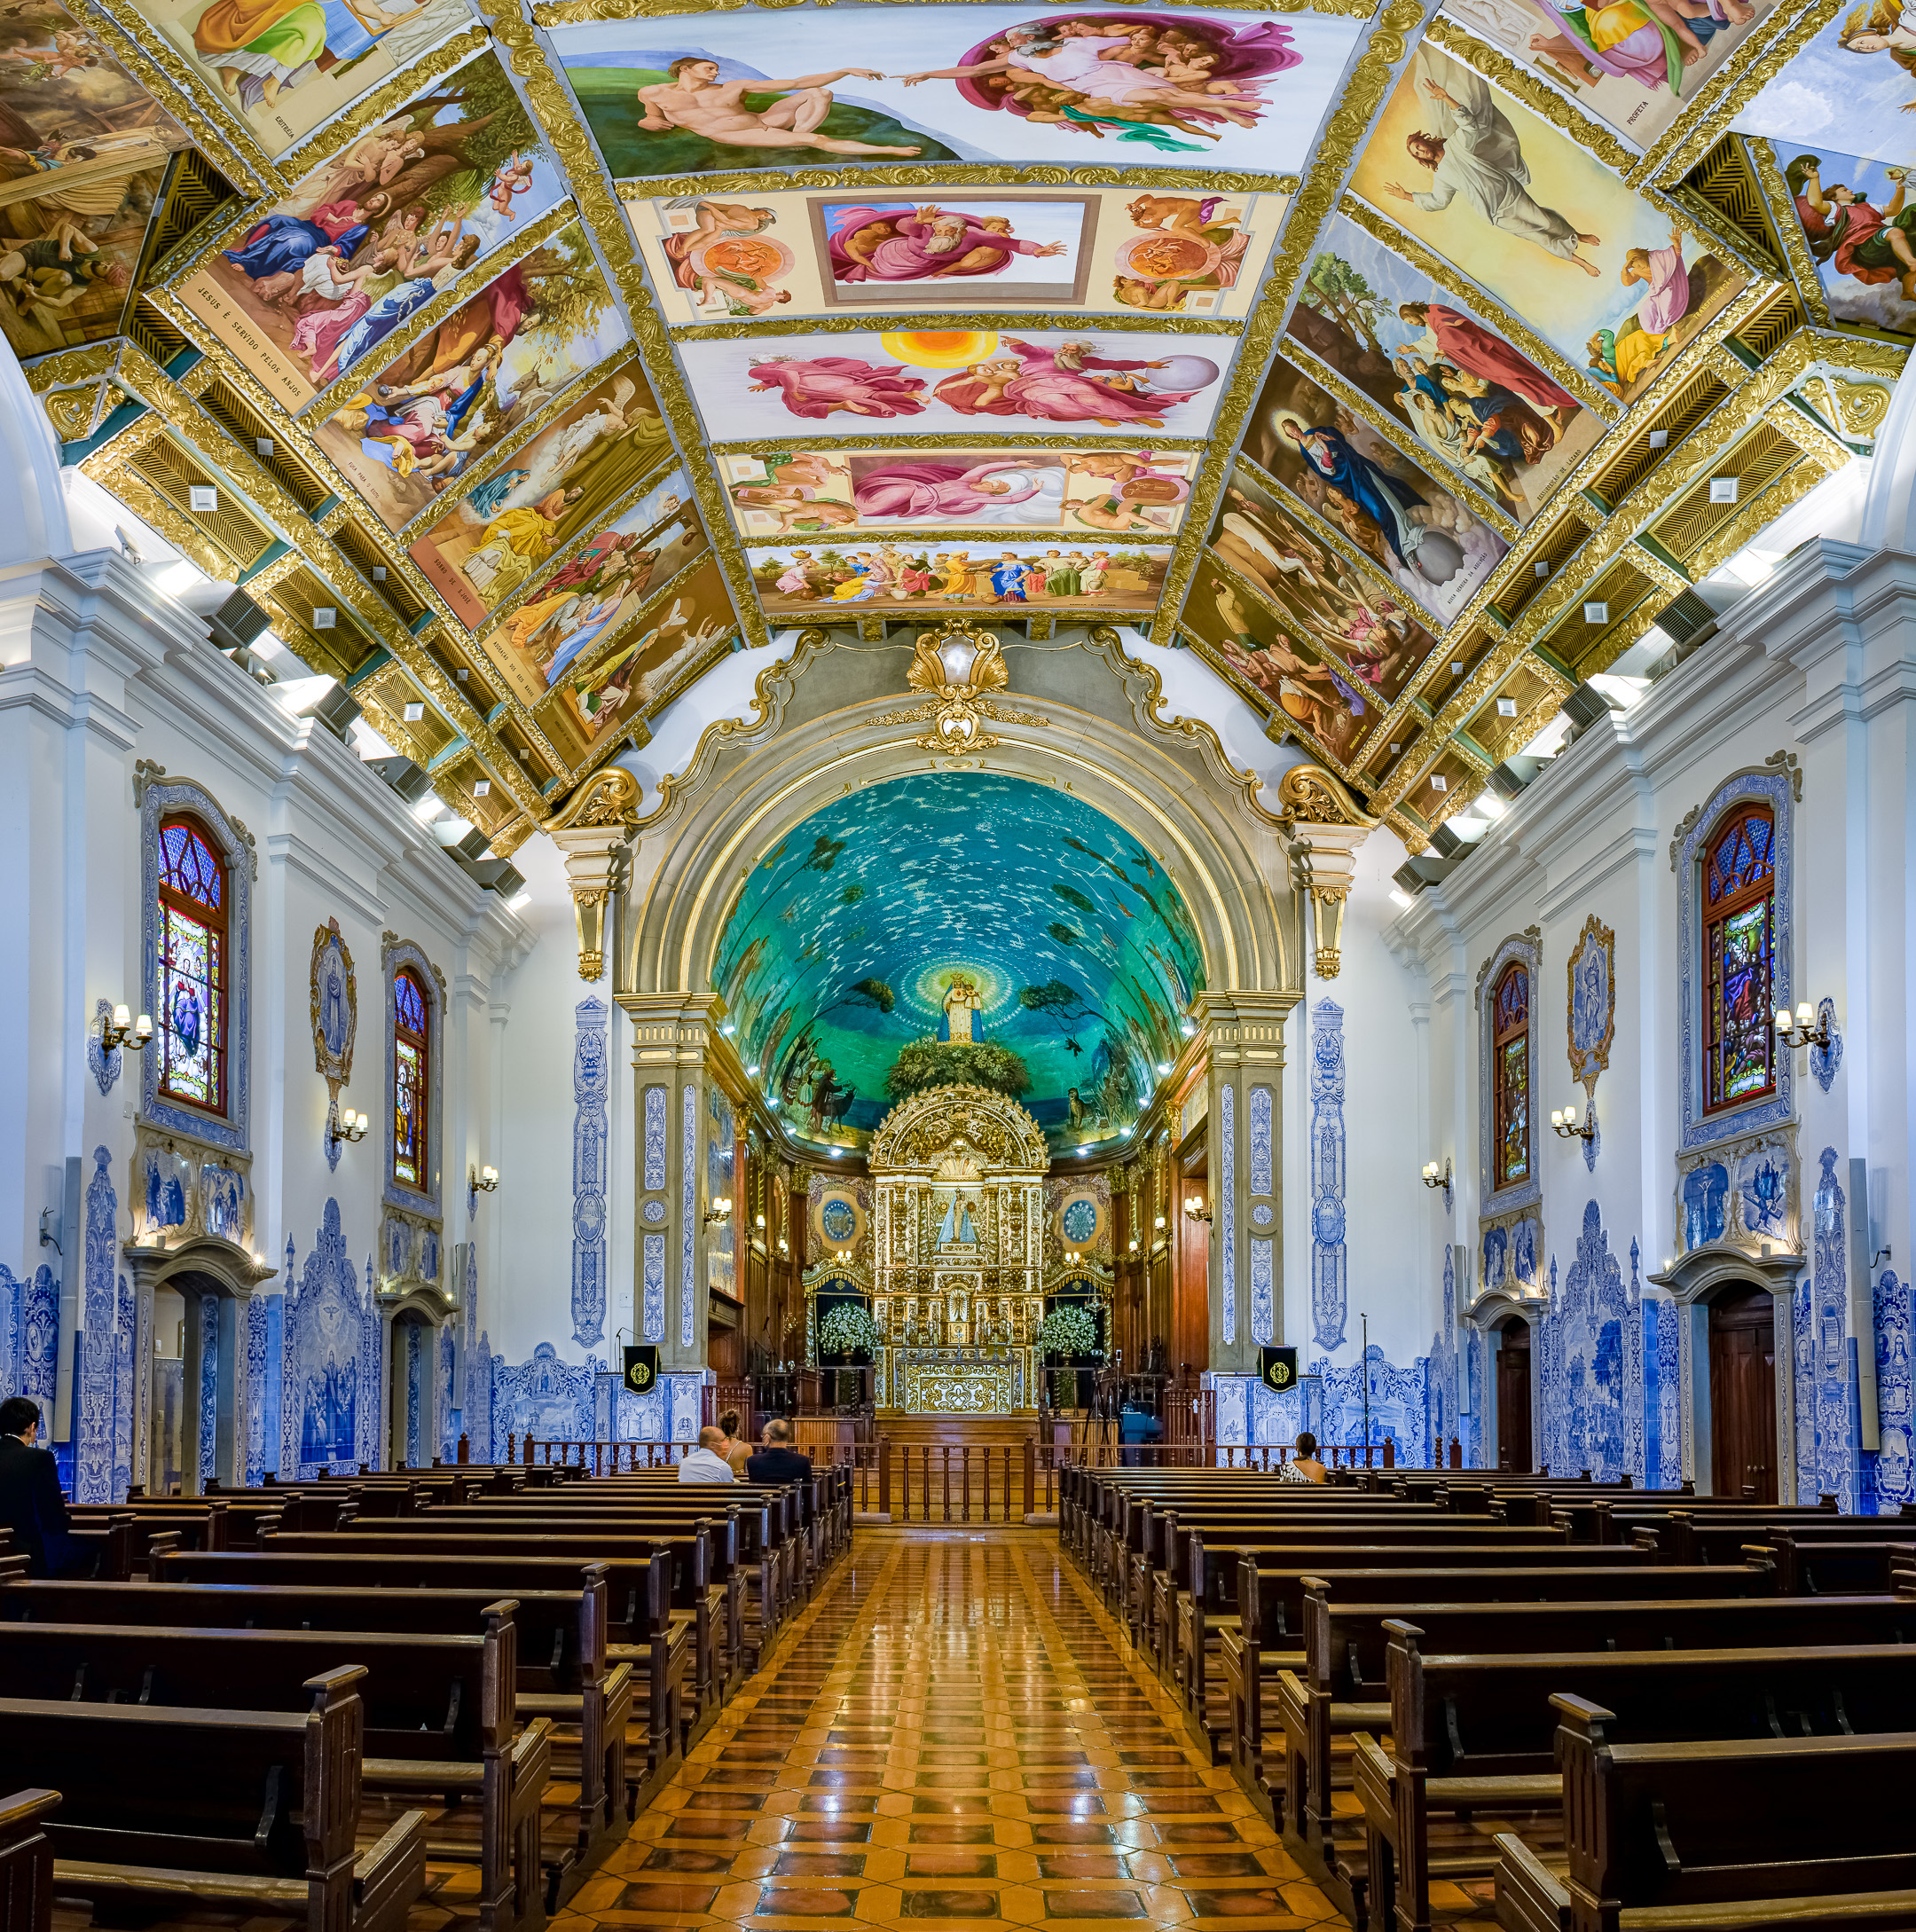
[
  {"x": 492, "y": 364},
  {"x": 900, "y": 578},
  {"x": 1122, "y": 493},
  {"x": 1479, "y": 405},
  {"x": 1428, "y": 538},
  {"x": 935, "y": 380},
  {"x": 979, "y": 83},
  {"x": 1857, "y": 228},
  {"x": 1633, "y": 64},
  {"x": 782, "y": 256},
  {"x": 847, "y": 936},
  {"x": 1540, "y": 223},
  {"x": 565, "y": 615},
  {"x": 650, "y": 657},
  {"x": 583, "y": 461},
  {"x": 1854, "y": 86},
  {"x": 286, "y": 285}
]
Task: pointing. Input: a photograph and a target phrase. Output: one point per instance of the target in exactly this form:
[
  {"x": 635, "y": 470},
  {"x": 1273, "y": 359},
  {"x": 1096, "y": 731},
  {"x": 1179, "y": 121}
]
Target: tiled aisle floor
[{"x": 952, "y": 1736}]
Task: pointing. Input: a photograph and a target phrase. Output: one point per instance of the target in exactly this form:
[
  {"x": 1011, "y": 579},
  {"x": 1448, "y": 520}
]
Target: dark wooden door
[
  {"x": 1742, "y": 1383},
  {"x": 1513, "y": 1399}
]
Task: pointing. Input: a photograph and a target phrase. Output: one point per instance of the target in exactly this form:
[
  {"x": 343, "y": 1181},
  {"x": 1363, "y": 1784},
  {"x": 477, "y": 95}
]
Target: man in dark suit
[
  {"x": 31, "y": 1504},
  {"x": 778, "y": 1461}
]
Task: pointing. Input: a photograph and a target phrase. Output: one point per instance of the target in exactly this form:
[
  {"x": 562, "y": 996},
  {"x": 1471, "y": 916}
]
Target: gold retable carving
[
  {"x": 957, "y": 666},
  {"x": 986, "y": 1386}
]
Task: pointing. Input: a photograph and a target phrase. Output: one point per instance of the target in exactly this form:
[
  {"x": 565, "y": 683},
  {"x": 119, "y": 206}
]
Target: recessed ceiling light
[
  {"x": 1457, "y": 668},
  {"x": 1506, "y": 707},
  {"x": 412, "y": 713},
  {"x": 1596, "y": 612},
  {"x": 1439, "y": 783},
  {"x": 263, "y": 445},
  {"x": 482, "y": 788},
  {"x": 325, "y": 616},
  {"x": 1723, "y": 489},
  {"x": 1659, "y": 439},
  {"x": 1541, "y": 568}
]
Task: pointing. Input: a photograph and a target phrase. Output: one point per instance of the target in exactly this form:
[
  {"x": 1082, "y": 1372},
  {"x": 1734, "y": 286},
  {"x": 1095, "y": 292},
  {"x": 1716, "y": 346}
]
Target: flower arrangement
[
  {"x": 1070, "y": 1329},
  {"x": 848, "y": 1330}
]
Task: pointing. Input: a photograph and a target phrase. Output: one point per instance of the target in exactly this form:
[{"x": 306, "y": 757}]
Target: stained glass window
[
  {"x": 193, "y": 967},
  {"x": 1510, "y": 1049},
  {"x": 411, "y": 1055},
  {"x": 1740, "y": 959}
]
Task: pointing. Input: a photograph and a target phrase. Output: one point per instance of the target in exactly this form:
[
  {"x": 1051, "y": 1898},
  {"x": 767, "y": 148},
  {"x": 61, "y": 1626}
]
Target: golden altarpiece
[{"x": 958, "y": 1177}]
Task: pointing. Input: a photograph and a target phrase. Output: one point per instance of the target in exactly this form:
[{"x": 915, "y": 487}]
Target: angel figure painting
[
  {"x": 793, "y": 578},
  {"x": 406, "y": 432},
  {"x": 1853, "y": 89},
  {"x": 589, "y": 458},
  {"x": 445, "y": 179},
  {"x": 1425, "y": 537},
  {"x": 1532, "y": 217}
]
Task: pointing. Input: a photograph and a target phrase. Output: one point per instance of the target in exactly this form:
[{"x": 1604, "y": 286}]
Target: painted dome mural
[{"x": 958, "y": 905}]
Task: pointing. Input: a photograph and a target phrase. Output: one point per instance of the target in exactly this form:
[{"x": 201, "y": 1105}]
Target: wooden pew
[
  {"x": 1811, "y": 1832},
  {"x": 253, "y": 1811},
  {"x": 27, "y": 1861},
  {"x": 563, "y": 1674},
  {"x": 637, "y": 1598},
  {"x": 438, "y": 1718},
  {"x": 1474, "y": 1733}
]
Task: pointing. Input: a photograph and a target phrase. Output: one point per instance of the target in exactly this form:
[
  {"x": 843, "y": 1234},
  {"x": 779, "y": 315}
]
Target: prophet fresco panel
[
  {"x": 794, "y": 581},
  {"x": 1634, "y": 64},
  {"x": 490, "y": 366},
  {"x": 1424, "y": 537},
  {"x": 594, "y": 592},
  {"x": 1854, "y": 218},
  {"x": 290, "y": 283},
  {"x": 84, "y": 150},
  {"x": 1121, "y": 492},
  {"x": 1855, "y": 81},
  {"x": 950, "y": 379},
  {"x": 587, "y": 459},
  {"x": 284, "y": 66},
  {"x": 658, "y": 654},
  {"x": 1470, "y": 398},
  {"x": 995, "y": 83},
  {"x": 785, "y": 255},
  {"x": 1540, "y": 223}
]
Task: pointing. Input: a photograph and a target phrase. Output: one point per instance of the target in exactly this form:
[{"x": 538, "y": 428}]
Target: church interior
[{"x": 1118, "y": 1167}]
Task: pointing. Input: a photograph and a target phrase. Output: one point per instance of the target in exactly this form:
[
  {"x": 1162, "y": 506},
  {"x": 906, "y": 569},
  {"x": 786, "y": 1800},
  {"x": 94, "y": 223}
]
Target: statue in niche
[
  {"x": 956, "y": 1230},
  {"x": 962, "y": 1006}
]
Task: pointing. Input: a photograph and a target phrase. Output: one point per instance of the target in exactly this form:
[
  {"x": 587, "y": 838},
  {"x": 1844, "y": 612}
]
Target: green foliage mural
[{"x": 840, "y": 957}]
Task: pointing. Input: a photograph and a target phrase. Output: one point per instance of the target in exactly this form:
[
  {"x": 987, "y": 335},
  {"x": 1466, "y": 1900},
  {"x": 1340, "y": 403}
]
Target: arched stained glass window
[
  {"x": 1740, "y": 959},
  {"x": 412, "y": 1068},
  {"x": 1509, "y": 1073},
  {"x": 192, "y": 918}
]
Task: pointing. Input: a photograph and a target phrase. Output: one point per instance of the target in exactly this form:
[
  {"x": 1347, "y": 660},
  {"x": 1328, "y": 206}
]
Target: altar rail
[{"x": 966, "y": 1483}]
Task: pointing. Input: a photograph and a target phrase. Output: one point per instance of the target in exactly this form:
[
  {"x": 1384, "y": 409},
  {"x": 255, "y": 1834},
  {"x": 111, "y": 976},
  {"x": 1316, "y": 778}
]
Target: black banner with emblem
[
  {"x": 1278, "y": 1368},
  {"x": 641, "y": 1368}
]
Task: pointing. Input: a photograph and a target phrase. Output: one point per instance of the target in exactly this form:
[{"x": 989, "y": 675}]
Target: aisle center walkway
[{"x": 954, "y": 1735}]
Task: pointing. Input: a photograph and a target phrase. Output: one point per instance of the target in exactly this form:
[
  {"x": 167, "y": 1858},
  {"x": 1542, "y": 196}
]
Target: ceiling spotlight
[{"x": 1163, "y": 1067}]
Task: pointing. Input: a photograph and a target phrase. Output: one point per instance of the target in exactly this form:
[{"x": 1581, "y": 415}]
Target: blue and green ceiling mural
[{"x": 846, "y": 943}]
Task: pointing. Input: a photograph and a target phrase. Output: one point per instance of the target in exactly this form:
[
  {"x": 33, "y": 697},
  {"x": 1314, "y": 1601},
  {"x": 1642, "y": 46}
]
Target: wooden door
[
  {"x": 1190, "y": 1324},
  {"x": 1513, "y": 1399},
  {"x": 1742, "y": 1383}
]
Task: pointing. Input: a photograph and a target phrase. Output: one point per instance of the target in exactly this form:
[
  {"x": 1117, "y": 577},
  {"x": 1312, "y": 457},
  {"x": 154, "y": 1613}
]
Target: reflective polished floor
[{"x": 954, "y": 1733}]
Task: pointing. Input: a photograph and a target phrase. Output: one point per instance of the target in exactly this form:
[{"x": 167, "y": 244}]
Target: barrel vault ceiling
[{"x": 1407, "y": 363}]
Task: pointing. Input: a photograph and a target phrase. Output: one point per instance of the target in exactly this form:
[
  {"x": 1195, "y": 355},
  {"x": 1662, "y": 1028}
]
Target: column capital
[
  {"x": 1325, "y": 826},
  {"x": 594, "y": 831}
]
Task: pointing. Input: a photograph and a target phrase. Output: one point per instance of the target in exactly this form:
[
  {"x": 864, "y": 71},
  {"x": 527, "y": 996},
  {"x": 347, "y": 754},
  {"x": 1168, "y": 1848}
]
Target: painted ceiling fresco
[
  {"x": 848, "y": 935},
  {"x": 1409, "y": 362}
]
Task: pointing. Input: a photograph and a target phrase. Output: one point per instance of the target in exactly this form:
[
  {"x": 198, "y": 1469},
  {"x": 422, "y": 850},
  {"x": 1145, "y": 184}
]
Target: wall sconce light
[
  {"x": 1158, "y": 1222},
  {"x": 483, "y": 1180},
  {"x": 1805, "y": 1031},
  {"x": 720, "y": 1211},
  {"x": 1134, "y": 1244},
  {"x": 345, "y": 1127},
  {"x": 783, "y": 1248},
  {"x": 1196, "y": 1210},
  {"x": 761, "y": 1221},
  {"x": 1564, "y": 1125},
  {"x": 1434, "y": 1177},
  {"x": 121, "y": 1029}
]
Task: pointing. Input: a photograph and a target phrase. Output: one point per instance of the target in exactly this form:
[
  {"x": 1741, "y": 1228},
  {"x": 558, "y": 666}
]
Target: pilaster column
[
  {"x": 1245, "y": 1038},
  {"x": 1325, "y": 826},
  {"x": 594, "y": 832}
]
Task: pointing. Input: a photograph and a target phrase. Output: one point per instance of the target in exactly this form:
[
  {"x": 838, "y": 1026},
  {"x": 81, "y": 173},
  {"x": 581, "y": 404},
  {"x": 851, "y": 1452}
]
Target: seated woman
[{"x": 1304, "y": 1466}]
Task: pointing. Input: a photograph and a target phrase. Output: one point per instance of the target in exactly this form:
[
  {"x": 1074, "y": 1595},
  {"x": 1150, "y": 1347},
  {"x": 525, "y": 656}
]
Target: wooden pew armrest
[
  {"x": 390, "y": 1875},
  {"x": 531, "y": 1768},
  {"x": 1541, "y": 1788},
  {"x": 423, "y": 1773},
  {"x": 1530, "y": 1897},
  {"x": 1374, "y": 1778},
  {"x": 1363, "y": 1716},
  {"x": 90, "y": 1878},
  {"x": 1293, "y": 1703}
]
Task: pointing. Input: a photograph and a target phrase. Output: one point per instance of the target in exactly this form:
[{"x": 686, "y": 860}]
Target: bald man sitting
[{"x": 707, "y": 1463}]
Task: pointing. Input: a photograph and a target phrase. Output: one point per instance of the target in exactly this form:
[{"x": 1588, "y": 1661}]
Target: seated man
[
  {"x": 707, "y": 1463},
  {"x": 31, "y": 1504},
  {"x": 778, "y": 1461}
]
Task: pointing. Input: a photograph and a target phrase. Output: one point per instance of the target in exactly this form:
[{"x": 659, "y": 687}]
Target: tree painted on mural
[{"x": 943, "y": 1063}]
